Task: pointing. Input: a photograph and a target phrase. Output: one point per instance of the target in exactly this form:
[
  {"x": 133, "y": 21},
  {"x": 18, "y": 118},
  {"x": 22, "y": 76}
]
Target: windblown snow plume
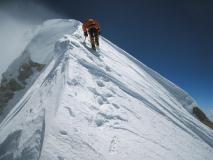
[
  {"x": 104, "y": 105},
  {"x": 18, "y": 20}
]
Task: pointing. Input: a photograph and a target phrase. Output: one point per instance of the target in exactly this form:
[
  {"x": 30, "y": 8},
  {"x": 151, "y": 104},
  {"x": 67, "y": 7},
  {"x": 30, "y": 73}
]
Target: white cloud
[{"x": 16, "y": 23}]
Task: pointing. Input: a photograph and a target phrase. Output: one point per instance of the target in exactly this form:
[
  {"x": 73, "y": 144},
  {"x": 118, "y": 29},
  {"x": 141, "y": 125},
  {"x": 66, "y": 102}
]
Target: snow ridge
[{"x": 99, "y": 105}]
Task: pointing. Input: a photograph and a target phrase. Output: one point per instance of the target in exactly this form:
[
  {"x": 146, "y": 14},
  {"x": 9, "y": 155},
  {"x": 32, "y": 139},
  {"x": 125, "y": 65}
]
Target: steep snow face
[
  {"x": 23, "y": 71},
  {"x": 210, "y": 114},
  {"x": 99, "y": 105}
]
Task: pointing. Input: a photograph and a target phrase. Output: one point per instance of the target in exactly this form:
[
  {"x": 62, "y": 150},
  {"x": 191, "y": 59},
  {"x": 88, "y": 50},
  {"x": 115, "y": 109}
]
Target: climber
[{"x": 92, "y": 28}]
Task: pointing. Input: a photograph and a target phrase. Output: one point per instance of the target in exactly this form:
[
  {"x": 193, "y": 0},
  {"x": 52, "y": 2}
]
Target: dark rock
[
  {"x": 9, "y": 86},
  {"x": 202, "y": 117},
  {"x": 14, "y": 85},
  {"x": 26, "y": 70}
]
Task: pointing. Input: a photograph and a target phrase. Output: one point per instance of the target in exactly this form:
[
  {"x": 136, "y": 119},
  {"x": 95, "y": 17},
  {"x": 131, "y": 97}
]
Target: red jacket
[{"x": 91, "y": 23}]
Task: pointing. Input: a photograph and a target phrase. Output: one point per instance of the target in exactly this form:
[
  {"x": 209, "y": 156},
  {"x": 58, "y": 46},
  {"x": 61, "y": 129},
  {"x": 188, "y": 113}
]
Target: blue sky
[{"x": 173, "y": 37}]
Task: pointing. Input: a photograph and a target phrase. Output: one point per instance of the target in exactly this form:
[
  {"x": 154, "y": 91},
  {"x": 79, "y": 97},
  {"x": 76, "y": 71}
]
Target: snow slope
[
  {"x": 106, "y": 105},
  {"x": 209, "y": 113}
]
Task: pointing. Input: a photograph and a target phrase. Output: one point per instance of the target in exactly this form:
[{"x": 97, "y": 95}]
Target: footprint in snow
[
  {"x": 60, "y": 158},
  {"x": 100, "y": 84},
  {"x": 70, "y": 111},
  {"x": 106, "y": 79},
  {"x": 108, "y": 68},
  {"x": 113, "y": 144},
  {"x": 100, "y": 100},
  {"x": 115, "y": 105},
  {"x": 63, "y": 132}
]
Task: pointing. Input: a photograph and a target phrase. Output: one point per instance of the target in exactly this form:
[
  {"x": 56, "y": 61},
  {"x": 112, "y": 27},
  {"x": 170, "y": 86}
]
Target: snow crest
[{"x": 99, "y": 105}]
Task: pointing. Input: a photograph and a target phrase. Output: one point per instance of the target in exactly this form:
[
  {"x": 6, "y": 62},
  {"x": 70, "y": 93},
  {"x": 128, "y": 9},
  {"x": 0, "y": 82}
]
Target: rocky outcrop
[
  {"x": 10, "y": 85},
  {"x": 202, "y": 117},
  {"x": 27, "y": 69}
]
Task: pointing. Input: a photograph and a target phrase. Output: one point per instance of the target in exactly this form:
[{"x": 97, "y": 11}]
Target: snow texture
[{"x": 103, "y": 105}]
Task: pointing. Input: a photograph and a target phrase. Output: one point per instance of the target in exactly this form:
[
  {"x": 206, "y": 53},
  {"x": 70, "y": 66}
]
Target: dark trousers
[{"x": 94, "y": 37}]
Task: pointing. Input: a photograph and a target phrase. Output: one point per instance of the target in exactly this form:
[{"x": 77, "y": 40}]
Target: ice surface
[{"x": 89, "y": 106}]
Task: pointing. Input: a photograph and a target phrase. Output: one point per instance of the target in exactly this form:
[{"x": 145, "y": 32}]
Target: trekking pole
[{"x": 84, "y": 39}]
